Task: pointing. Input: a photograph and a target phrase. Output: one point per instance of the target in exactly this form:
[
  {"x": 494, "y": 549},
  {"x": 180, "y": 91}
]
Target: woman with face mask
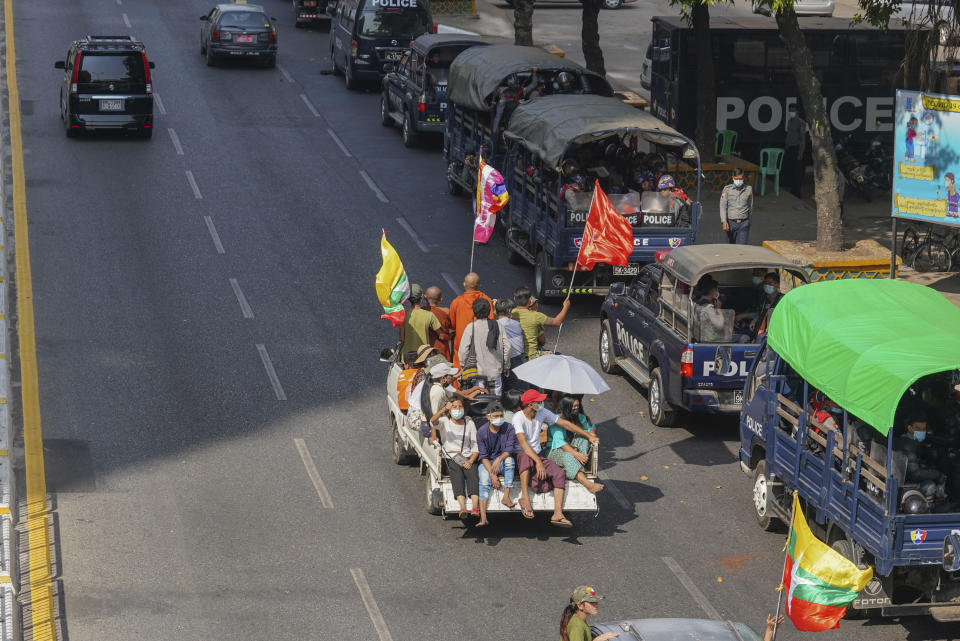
[{"x": 458, "y": 438}]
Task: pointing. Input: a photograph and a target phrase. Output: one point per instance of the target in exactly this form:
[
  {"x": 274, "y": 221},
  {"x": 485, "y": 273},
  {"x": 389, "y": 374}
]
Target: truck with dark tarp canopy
[
  {"x": 483, "y": 78},
  {"x": 849, "y": 370},
  {"x": 607, "y": 140}
]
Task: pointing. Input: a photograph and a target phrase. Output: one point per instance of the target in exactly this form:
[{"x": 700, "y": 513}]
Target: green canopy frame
[{"x": 864, "y": 342}]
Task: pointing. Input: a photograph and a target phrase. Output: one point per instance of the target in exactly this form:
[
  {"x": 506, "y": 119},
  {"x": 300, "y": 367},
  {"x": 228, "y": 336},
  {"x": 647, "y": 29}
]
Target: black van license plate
[
  {"x": 392, "y": 56},
  {"x": 114, "y": 104},
  {"x": 626, "y": 270}
]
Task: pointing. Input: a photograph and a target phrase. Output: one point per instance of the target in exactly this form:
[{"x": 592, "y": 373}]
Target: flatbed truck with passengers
[{"x": 411, "y": 446}]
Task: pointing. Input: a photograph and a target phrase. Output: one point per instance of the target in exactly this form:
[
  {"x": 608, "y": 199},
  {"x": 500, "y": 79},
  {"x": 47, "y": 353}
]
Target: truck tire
[
  {"x": 409, "y": 134},
  {"x": 385, "y": 118},
  {"x": 434, "y": 504},
  {"x": 661, "y": 414},
  {"x": 608, "y": 361},
  {"x": 762, "y": 498},
  {"x": 401, "y": 455},
  {"x": 541, "y": 276},
  {"x": 453, "y": 187},
  {"x": 853, "y": 553},
  {"x": 333, "y": 59},
  {"x": 211, "y": 60}
]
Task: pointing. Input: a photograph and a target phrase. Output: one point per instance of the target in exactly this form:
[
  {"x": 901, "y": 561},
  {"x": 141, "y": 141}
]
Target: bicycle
[{"x": 930, "y": 247}]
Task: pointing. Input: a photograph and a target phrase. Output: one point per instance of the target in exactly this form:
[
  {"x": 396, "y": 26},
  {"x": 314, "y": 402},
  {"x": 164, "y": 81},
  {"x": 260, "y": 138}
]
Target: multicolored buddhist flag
[
  {"x": 393, "y": 288},
  {"x": 820, "y": 582},
  {"x": 491, "y": 197}
]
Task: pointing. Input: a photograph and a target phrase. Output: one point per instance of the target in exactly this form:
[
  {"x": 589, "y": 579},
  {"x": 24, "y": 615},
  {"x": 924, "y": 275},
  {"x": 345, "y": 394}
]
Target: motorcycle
[
  {"x": 880, "y": 162},
  {"x": 855, "y": 174}
]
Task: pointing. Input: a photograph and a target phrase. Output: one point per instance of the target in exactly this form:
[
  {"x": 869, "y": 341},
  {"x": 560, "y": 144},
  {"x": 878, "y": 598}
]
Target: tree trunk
[
  {"x": 590, "y": 35},
  {"x": 826, "y": 189},
  {"x": 706, "y": 82},
  {"x": 523, "y": 23}
]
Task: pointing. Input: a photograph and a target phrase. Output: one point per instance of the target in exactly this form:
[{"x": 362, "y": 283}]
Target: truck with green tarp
[{"x": 832, "y": 410}]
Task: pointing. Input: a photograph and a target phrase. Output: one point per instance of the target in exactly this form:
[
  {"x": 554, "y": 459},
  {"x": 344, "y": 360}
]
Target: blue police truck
[
  {"x": 691, "y": 354},
  {"x": 559, "y": 148},
  {"x": 852, "y": 404}
]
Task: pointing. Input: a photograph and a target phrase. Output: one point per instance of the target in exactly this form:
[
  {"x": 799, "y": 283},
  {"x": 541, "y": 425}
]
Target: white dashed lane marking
[
  {"x": 286, "y": 76},
  {"x": 160, "y": 107},
  {"x": 306, "y": 101},
  {"x": 245, "y": 308},
  {"x": 271, "y": 373},
  {"x": 325, "y": 499},
  {"x": 373, "y": 187},
  {"x": 409, "y": 229},
  {"x": 175, "y": 139},
  {"x": 336, "y": 139},
  {"x": 214, "y": 235},
  {"x": 692, "y": 588},
  {"x": 193, "y": 185},
  {"x": 373, "y": 610},
  {"x": 126, "y": 21}
]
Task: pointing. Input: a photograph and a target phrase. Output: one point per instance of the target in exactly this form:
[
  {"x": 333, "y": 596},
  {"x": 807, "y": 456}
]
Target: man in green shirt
[
  {"x": 417, "y": 324},
  {"x": 532, "y": 321}
]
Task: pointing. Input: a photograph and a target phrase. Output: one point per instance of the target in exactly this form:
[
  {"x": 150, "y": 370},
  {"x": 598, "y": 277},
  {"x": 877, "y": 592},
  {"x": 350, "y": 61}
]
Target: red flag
[{"x": 607, "y": 236}]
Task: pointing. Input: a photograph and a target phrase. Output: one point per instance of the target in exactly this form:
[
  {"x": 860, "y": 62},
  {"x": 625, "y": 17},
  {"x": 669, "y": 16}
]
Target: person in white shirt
[
  {"x": 458, "y": 438},
  {"x": 528, "y": 423}
]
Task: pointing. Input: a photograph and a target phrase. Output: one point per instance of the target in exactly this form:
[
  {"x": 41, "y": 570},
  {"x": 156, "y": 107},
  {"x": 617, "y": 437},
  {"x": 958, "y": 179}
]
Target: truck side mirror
[
  {"x": 387, "y": 354},
  {"x": 721, "y": 362},
  {"x": 618, "y": 288},
  {"x": 951, "y": 552},
  {"x": 60, "y": 64},
  {"x": 204, "y": 18},
  {"x": 152, "y": 65}
]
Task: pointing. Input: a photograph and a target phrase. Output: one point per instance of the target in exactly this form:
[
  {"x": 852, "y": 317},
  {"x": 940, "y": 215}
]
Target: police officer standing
[{"x": 736, "y": 205}]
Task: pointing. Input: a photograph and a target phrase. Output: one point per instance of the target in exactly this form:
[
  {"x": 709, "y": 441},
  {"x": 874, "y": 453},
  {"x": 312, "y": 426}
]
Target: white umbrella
[{"x": 562, "y": 373}]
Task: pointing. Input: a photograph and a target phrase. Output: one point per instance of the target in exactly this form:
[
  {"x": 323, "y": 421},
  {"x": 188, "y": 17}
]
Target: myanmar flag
[
  {"x": 393, "y": 289},
  {"x": 820, "y": 582}
]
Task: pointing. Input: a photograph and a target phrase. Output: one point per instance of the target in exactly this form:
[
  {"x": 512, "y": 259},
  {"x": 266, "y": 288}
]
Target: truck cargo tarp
[
  {"x": 864, "y": 342},
  {"x": 546, "y": 126},
  {"x": 477, "y": 72}
]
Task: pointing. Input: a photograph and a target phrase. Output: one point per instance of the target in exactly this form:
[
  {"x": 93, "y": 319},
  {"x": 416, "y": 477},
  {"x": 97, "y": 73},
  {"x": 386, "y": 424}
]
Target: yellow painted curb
[{"x": 42, "y": 622}]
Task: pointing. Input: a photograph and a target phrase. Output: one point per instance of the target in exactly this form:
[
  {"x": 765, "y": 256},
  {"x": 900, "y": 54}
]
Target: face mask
[
  {"x": 498, "y": 421},
  {"x": 919, "y": 436},
  {"x": 737, "y": 182},
  {"x": 768, "y": 290},
  {"x": 457, "y": 414},
  {"x": 792, "y": 115},
  {"x": 757, "y": 280}
]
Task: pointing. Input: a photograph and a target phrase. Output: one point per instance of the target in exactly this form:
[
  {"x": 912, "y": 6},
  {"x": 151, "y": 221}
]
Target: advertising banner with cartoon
[{"x": 927, "y": 157}]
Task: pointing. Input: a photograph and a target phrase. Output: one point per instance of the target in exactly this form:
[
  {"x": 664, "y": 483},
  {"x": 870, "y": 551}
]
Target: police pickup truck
[{"x": 656, "y": 329}]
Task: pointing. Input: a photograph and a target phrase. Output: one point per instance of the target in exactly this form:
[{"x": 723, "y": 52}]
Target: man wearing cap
[
  {"x": 496, "y": 444},
  {"x": 417, "y": 325},
  {"x": 528, "y": 423},
  {"x": 573, "y": 625}
]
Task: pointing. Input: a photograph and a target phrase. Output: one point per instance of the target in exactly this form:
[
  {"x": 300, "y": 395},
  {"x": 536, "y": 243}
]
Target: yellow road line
[{"x": 41, "y": 591}]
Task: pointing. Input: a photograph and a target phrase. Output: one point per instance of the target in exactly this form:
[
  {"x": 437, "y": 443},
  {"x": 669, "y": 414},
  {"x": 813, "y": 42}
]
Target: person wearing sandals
[
  {"x": 528, "y": 423},
  {"x": 496, "y": 443},
  {"x": 568, "y": 450},
  {"x": 458, "y": 437},
  {"x": 573, "y": 623}
]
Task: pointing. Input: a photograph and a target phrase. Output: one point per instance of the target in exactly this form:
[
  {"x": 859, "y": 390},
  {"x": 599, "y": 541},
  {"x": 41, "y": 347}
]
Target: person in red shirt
[
  {"x": 461, "y": 310},
  {"x": 443, "y": 336}
]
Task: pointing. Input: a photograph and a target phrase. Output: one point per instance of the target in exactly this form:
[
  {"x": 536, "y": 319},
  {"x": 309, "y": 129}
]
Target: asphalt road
[{"x": 172, "y": 408}]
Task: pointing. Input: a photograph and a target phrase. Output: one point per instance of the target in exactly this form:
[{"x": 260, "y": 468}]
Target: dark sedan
[{"x": 238, "y": 31}]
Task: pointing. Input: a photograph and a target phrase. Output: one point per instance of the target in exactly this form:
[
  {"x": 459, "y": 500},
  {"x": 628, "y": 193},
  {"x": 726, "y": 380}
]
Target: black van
[
  {"x": 368, "y": 37},
  {"x": 106, "y": 85}
]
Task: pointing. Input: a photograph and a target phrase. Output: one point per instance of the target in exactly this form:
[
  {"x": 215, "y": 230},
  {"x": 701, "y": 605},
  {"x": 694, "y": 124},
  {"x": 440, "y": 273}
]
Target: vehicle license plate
[
  {"x": 309, "y": 3},
  {"x": 111, "y": 105},
  {"x": 443, "y": 106},
  {"x": 242, "y": 38},
  {"x": 626, "y": 270},
  {"x": 738, "y": 397},
  {"x": 392, "y": 56}
]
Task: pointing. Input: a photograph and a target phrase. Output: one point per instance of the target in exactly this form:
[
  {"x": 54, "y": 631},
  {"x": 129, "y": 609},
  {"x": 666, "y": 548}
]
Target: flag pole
[
  {"x": 576, "y": 265},
  {"x": 473, "y": 244},
  {"x": 776, "y": 616}
]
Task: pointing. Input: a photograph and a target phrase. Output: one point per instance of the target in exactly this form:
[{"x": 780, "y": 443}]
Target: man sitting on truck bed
[{"x": 528, "y": 424}]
